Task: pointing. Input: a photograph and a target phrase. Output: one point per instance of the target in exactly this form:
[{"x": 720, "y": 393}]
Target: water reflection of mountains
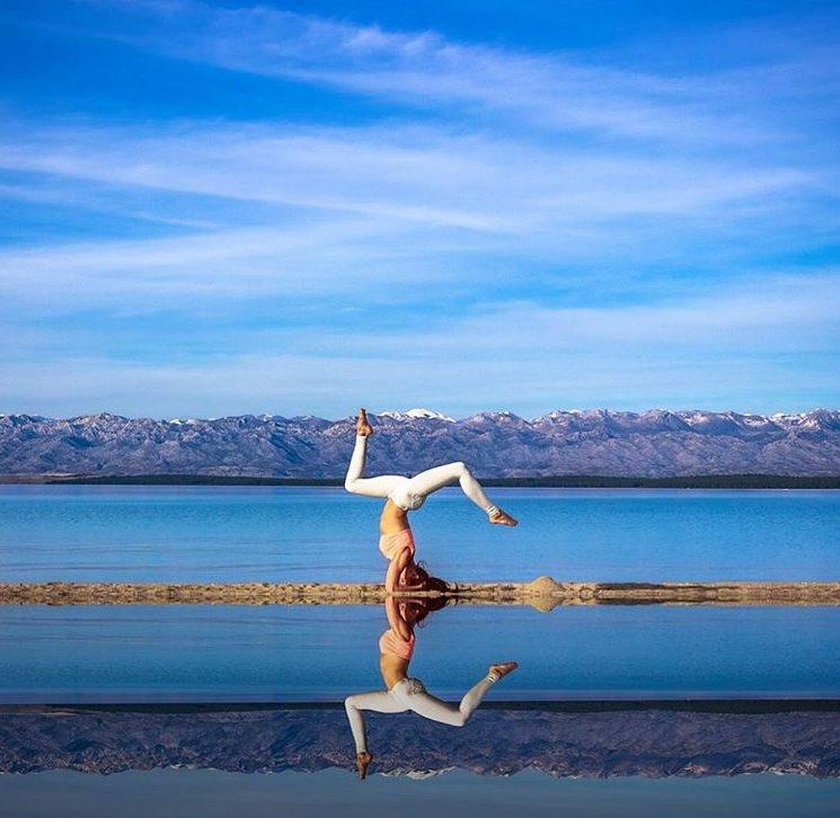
[{"x": 650, "y": 743}]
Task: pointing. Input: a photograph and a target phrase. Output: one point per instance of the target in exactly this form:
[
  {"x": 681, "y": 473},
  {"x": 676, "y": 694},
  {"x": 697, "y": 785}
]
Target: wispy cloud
[
  {"x": 781, "y": 313},
  {"x": 581, "y": 226},
  {"x": 429, "y": 174},
  {"x": 741, "y": 348},
  {"x": 392, "y": 205},
  {"x": 423, "y": 69},
  {"x": 331, "y": 386}
]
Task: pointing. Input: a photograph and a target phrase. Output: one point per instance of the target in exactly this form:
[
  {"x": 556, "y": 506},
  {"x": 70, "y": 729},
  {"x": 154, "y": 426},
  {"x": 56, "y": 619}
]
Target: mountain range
[
  {"x": 651, "y": 743},
  {"x": 655, "y": 443}
]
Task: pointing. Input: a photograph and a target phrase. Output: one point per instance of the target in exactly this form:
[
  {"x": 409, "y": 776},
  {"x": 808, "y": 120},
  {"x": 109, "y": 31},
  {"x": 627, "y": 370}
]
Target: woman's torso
[
  {"x": 395, "y": 653},
  {"x": 393, "y": 669}
]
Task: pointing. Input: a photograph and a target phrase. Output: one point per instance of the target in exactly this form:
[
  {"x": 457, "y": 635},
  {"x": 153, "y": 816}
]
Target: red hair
[{"x": 418, "y": 578}]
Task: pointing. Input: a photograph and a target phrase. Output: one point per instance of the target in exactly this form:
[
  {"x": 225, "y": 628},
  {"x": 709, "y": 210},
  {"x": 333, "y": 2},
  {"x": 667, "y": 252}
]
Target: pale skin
[
  {"x": 393, "y": 520},
  {"x": 394, "y": 669}
]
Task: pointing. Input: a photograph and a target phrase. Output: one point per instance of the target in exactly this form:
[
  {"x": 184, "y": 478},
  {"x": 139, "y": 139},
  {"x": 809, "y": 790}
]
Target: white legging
[
  {"x": 409, "y": 694},
  {"x": 410, "y": 493}
]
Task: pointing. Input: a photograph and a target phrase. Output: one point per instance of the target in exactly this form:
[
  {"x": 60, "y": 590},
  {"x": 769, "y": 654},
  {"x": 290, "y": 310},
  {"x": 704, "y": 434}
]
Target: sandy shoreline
[{"x": 543, "y": 593}]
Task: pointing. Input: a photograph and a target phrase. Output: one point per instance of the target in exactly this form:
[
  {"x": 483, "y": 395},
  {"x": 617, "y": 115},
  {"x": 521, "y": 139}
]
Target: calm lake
[
  {"x": 171, "y": 533},
  {"x": 234, "y": 653},
  {"x": 212, "y": 794},
  {"x": 528, "y": 756}
]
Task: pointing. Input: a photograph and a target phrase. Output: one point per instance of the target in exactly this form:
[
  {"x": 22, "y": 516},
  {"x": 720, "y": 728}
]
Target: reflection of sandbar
[{"x": 544, "y": 593}]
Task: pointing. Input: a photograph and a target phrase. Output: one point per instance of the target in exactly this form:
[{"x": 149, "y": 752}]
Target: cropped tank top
[
  {"x": 392, "y": 544},
  {"x": 392, "y": 644}
]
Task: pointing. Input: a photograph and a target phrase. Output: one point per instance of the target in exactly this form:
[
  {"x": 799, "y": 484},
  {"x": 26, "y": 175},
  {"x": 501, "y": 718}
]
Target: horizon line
[{"x": 419, "y": 413}]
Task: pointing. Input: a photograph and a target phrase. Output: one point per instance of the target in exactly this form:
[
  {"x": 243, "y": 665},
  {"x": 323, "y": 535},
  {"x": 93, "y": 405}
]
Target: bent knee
[
  {"x": 456, "y": 719},
  {"x": 464, "y": 469}
]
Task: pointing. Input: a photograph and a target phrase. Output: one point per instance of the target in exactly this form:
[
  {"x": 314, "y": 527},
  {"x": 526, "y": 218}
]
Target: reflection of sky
[
  {"x": 266, "y": 653},
  {"x": 209, "y": 794}
]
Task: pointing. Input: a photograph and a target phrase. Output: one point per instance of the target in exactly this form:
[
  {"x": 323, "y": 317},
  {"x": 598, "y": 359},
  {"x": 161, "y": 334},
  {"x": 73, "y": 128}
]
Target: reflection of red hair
[{"x": 415, "y": 609}]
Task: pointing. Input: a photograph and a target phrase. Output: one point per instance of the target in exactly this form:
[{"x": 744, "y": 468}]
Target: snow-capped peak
[
  {"x": 651, "y": 443},
  {"x": 415, "y": 414}
]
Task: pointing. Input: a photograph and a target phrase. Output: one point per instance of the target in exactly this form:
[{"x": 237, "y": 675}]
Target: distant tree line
[{"x": 701, "y": 481}]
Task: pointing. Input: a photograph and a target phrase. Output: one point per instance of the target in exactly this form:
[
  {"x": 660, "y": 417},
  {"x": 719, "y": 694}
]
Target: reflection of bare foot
[
  {"x": 502, "y": 669},
  {"x": 499, "y": 517},
  {"x": 362, "y": 763},
  {"x": 363, "y": 427}
]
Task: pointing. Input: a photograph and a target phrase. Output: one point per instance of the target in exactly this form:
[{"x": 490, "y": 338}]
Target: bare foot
[
  {"x": 363, "y": 427},
  {"x": 499, "y": 517},
  {"x": 362, "y": 763},
  {"x": 502, "y": 669}
]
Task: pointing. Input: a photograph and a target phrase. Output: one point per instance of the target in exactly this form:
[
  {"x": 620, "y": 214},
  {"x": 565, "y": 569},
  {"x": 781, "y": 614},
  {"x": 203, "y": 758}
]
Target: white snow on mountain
[
  {"x": 655, "y": 443},
  {"x": 414, "y": 414}
]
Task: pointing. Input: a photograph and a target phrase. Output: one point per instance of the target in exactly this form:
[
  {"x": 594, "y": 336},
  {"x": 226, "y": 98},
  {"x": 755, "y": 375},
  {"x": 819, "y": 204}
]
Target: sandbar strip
[{"x": 543, "y": 593}]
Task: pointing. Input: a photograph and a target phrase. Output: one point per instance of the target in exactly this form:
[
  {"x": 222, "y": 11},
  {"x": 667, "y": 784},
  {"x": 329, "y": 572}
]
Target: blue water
[
  {"x": 194, "y": 653},
  {"x": 317, "y": 653},
  {"x": 242, "y": 653},
  {"x": 274, "y": 534},
  {"x": 212, "y": 794}
]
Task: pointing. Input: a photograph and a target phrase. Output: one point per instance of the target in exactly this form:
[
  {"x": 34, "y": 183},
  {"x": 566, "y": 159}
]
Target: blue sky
[{"x": 293, "y": 208}]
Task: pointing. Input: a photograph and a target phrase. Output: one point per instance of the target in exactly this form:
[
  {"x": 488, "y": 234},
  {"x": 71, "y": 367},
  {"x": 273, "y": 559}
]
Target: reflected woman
[
  {"x": 403, "y": 693},
  {"x": 406, "y": 494}
]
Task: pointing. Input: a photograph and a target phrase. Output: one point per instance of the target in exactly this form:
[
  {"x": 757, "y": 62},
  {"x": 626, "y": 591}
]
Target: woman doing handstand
[{"x": 406, "y": 494}]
